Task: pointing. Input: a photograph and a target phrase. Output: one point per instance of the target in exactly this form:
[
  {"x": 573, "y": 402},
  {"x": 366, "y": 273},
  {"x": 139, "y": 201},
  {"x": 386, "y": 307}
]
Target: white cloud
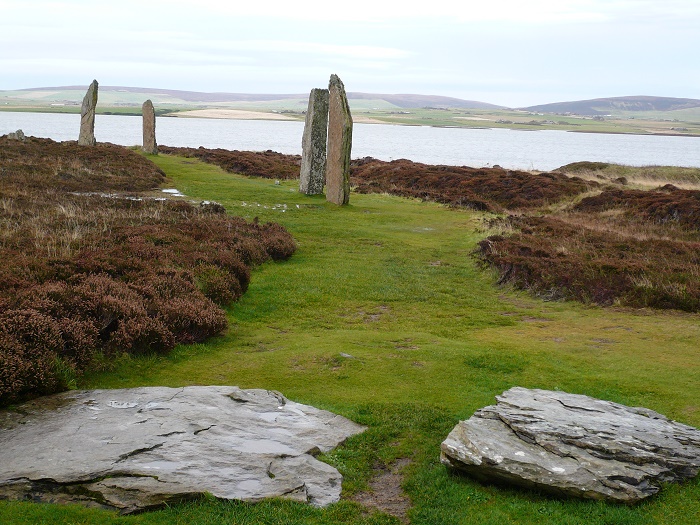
[
  {"x": 376, "y": 10},
  {"x": 467, "y": 49}
]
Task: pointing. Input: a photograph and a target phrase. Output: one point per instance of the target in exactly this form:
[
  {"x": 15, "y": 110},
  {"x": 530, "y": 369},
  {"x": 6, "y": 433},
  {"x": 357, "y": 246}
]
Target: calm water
[{"x": 543, "y": 150}]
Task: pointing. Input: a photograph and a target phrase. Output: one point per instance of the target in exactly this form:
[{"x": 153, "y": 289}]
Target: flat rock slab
[
  {"x": 574, "y": 445},
  {"x": 140, "y": 448}
]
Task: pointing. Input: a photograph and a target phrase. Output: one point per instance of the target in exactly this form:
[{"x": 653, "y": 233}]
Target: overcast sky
[{"x": 509, "y": 52}]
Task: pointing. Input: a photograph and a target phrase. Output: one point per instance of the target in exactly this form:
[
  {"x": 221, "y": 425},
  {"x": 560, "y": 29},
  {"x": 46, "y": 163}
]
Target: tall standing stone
[
  {"x": 339, "y": 143},
  {"x": 313, "y": 144},
  {"x": 87, "y": 117},
  {"x": 149, "y": 128}
]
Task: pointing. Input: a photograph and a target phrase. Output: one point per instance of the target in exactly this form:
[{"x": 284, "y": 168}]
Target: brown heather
[
  {"x": 580, "y": 257},
  {"x": 665, "y": 205},
  {"x": 486, "y": 189},
  {"x": 90, "y": 267},
  {"x": 265, "y": 164}
]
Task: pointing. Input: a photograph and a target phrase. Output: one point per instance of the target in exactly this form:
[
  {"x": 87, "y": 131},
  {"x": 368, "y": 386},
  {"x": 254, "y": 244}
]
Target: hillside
[
  {"x": 125, "y": 95},
  {"x": 635, "y": 115},
  {"x": 606, "y": 106}
]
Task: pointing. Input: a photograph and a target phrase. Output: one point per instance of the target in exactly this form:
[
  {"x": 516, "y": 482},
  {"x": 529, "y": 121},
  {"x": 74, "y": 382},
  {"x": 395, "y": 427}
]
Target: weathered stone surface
[
  {"x": 17, "y": 135},
  {"x": 87, "y": 116},
  {"x": 339, "y": 143},
  {"x": 313, "y": 144},
  {"x": 149, "y": 128},
  {"x": 573, "y": 444},
  {"x": 140, "y": 448}
]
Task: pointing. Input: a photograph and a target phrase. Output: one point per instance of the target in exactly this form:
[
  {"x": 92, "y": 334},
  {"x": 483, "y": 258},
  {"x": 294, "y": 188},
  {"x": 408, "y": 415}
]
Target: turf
[{"x": 392, "y": 283}]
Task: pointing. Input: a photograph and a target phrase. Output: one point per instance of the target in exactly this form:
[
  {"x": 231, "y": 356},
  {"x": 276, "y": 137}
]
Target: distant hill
[
  {"x": 187, "y": 96},
  {"x": 421, "y": 101},
  {"x": 402, "y": 101},
  {"x": 605, "y": 106}
]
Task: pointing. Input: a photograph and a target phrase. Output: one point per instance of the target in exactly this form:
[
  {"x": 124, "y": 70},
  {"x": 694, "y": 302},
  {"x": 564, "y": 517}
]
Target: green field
[{"x": 392, "y": 283}]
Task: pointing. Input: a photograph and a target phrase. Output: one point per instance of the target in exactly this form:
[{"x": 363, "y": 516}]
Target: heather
[
  {"x": 487, "y": 189},
  {"x": 617, "y": 246},
  {"x": 266, "y": 164},
  {"x": 666, "y": 205},
  {"x": 96, "y": 266},
  {"x": 579, "y": 257}
]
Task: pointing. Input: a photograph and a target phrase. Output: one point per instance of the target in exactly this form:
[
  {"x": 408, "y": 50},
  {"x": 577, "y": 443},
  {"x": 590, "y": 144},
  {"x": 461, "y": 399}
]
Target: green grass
[{"x": 391, "y": 282}]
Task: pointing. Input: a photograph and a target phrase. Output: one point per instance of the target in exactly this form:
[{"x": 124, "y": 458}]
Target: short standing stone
[
  {"x": 339, "y": 143},
  {"x": 149, "y": 128},
  {"x": 17, "y": 135},
  {"x": 87, "y": 116},
  {"x": 313, "y": 144},
  {"x": 574, "y": 445}
]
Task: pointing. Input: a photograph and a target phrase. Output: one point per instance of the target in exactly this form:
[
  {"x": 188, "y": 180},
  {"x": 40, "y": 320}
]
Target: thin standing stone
[
  {"x": 87, "y": 117},
  {"x": 149, "y": 128},
  {"x": 313, "y": 144},
  {"x": 339, "y": 143}
]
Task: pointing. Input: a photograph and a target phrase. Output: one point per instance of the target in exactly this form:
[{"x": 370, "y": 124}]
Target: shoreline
[{"x": 243, "y": 114}]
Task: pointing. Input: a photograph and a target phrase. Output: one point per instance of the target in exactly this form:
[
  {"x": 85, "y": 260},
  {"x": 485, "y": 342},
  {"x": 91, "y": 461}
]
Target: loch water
[{"x": 512, "y": 149}]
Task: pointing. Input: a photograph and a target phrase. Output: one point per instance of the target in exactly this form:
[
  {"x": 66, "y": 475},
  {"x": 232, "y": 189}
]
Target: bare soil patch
[{"x": 386, "y": 494}]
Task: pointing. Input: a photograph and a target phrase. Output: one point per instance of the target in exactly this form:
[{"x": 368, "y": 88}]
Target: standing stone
[
  {"x": 339, "y": 143},
  {"x": 149, "y": 128},
  {"x": 87, "y": 117},
  {"x": 313, "y": 144}
]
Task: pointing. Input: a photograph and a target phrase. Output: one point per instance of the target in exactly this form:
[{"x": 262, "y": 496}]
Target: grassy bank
[{"x": 391, "y": 283}]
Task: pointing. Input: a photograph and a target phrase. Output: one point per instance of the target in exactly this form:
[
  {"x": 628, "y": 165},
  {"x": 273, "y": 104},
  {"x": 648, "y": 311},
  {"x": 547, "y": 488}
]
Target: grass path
[{"x": 390, "y": 283}]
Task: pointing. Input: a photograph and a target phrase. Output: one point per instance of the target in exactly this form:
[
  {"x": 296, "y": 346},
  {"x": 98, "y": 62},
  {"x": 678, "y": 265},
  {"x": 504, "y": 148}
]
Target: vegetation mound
[
  {"x": 577, "y": 257},
  {"x": 42, "y": 165},
  {"x": 487, "y": 189},
  {"x": 88, "y": 273},
  {"x": 266, "y": 164},
  {"x": 667, "y": 204}
]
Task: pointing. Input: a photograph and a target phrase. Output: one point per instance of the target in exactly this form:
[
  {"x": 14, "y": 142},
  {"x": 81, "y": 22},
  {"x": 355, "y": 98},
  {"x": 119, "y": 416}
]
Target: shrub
[
  {"x": 217, "y": 284},
  {"x": 30, "y": 344}
]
